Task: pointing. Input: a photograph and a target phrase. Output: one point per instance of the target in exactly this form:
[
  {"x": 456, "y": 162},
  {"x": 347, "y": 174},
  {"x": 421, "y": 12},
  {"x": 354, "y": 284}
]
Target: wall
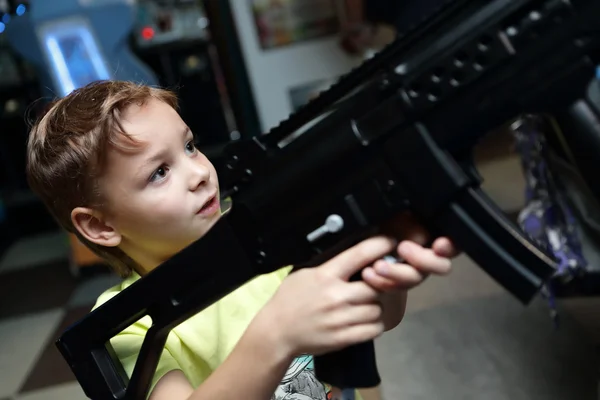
[{"x": 273, "y": 72}]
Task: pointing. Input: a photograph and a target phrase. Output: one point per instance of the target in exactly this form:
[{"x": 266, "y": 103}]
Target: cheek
[
  {"x": 166, "y": 212},
  {"x": 147, "y": 213}
]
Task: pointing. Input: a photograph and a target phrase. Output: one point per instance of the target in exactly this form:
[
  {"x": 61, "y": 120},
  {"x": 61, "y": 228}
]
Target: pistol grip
[{"x": 351, "y": 367}]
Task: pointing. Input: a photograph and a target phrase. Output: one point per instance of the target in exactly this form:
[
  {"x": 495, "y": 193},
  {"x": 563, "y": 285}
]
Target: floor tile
[
  {"x": 35, "y": 250},
  {"x": 89, "y": 289},
  {"x": 65, "y": 391},
  {"x": 21, "y": 342},
  {"x": 51, "y": 368},
  {"x": 35, "y": 289}
]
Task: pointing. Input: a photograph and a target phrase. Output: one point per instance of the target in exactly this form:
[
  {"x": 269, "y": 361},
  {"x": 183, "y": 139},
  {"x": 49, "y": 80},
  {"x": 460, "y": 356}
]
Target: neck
[{"x": 145, "y": 263}]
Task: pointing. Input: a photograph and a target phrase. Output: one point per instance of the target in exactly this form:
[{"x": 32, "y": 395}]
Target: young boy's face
[{"x": 164, "y": 196}]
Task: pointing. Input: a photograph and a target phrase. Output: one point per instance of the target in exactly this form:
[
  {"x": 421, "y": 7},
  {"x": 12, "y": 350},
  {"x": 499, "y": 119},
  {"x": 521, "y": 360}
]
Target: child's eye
[
  {"x": 189, "y": 146},
  {"x": 160, "y": 173}
]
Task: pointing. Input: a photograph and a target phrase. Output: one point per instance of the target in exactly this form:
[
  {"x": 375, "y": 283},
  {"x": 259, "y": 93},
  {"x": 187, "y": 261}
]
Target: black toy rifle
[{"x": 394, "y": 134}]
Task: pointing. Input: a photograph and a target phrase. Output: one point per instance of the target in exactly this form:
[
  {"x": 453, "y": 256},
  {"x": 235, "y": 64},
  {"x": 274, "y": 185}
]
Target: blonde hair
[{"x": 67, "y": 147}]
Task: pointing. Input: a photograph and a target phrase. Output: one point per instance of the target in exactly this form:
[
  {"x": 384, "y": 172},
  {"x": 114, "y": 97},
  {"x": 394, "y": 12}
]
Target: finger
[
  {"x": 404, "y": 276},
  {"x": 360, "y": 292},
  {"x": 352, "y": 260},
  {"x": 358, "y": 314},
  {"x": 377, "y": 281},
  {"x": 425, "y": 260},
  {"x": 359, "y": 333},
  {"x": 445, "y": 248}
]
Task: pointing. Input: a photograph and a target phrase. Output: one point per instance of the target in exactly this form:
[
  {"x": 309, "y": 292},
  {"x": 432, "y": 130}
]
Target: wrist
[{"x": 267, "y": 333}]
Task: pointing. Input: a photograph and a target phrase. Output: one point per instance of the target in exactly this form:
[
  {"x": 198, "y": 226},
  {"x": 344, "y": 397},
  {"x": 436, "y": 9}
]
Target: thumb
[{"x": 354, "y": 259}]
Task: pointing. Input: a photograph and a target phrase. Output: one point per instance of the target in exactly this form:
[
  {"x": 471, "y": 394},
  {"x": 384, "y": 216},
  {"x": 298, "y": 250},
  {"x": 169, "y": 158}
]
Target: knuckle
[
  {"x": 320, "y": 274},
  {"x": 334, "y": 297},
  {"x": 323, "y": 276}
]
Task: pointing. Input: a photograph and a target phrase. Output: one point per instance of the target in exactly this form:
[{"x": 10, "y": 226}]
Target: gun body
[{"x": 393, "y": 135}]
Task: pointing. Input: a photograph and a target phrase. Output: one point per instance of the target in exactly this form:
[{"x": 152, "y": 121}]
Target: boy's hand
[
  {"x": 420, "y": 262},
  {"x": 395, "y": 279},
  {"x": 317, "y": 310}
]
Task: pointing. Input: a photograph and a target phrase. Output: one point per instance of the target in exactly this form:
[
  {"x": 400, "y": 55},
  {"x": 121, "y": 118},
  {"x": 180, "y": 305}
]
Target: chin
[
  {"x": 200, "y": 233},
  {"x": 199, "y": 228}
]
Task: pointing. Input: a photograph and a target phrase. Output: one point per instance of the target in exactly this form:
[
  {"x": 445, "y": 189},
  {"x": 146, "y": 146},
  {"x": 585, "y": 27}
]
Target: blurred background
[{"x": 239, "y": 67}]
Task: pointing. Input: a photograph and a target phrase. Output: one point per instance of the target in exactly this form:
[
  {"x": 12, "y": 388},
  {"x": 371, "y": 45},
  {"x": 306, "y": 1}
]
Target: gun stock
[{"x": 395, "y": 134}]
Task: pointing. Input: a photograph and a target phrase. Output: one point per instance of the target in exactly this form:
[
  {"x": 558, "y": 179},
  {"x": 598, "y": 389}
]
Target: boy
[{"x": 117, "y": 166}]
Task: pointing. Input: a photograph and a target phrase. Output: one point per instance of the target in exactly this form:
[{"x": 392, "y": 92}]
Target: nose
[{"x": 198, "y": 175}]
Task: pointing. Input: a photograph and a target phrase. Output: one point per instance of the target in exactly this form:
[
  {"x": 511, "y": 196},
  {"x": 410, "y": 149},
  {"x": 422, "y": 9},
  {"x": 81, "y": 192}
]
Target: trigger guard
[{"x": 467, "y": 164}]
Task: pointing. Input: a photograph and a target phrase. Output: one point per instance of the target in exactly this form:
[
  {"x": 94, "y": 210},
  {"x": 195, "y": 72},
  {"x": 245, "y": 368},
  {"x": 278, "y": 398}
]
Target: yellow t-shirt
[{"x": 201, "y": 343}]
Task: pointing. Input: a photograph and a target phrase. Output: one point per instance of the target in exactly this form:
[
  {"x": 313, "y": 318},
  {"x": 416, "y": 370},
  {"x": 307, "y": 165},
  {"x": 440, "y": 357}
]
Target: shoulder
[
  {"x": 139, "y": 327},
  {"x": 266, "y": 283},
  {"x": 115, "y": 290}
]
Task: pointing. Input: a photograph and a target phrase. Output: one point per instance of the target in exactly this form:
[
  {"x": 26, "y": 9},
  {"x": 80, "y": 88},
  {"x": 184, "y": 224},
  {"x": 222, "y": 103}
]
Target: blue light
[
  {"x": 20, "y": 9},
  {"x": 2, "y": 26},
  {"x": 74, "y": 56},
  {"x": 6, "y": 18}
]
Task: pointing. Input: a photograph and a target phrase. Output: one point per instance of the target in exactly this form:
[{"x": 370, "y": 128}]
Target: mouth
[{"x": 211, "y": 206}]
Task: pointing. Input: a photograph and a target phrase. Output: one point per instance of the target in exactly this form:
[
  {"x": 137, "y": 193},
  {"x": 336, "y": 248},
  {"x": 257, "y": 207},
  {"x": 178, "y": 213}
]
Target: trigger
[{"x": 392, "y": 259}]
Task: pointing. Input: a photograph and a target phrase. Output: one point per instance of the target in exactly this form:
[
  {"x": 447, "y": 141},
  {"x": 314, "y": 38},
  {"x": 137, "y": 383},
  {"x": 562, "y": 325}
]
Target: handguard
[{"x": 395, "y": 134}]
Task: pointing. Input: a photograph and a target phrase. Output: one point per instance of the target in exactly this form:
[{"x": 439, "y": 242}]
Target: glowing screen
[{"x": 73, "y": 55}]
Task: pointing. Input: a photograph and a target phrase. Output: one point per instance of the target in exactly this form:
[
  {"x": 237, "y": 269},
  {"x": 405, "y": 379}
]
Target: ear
[{"x": 93, "y": 227}]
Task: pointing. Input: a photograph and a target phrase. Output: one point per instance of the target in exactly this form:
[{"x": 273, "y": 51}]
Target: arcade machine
[
  {"x": 74, "y": 42},
  {"x": 173, "y": 39},
  {"x": 70, "y": 44},
  {"x": 12, "y": 104},
  {"x": 21, "y": 214}
]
